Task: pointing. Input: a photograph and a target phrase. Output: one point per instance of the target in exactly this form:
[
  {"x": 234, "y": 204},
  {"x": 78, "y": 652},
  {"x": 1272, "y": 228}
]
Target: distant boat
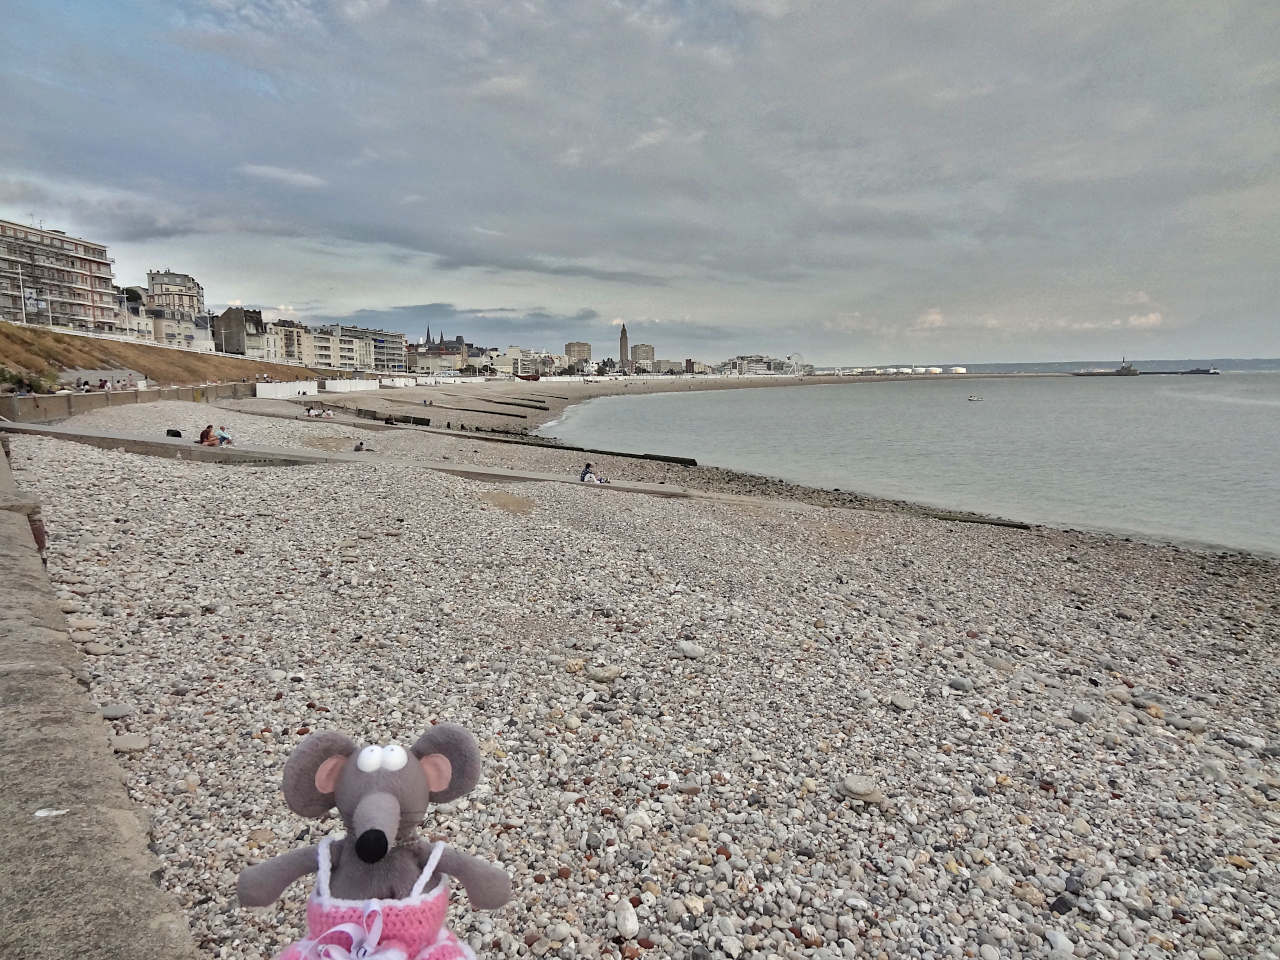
[
  {"x": 973, "y": 399},
  {"x": 1202, "y": 371},
  {"x": 532, "y": 377},
  {"x": 1125, "y": 369}
]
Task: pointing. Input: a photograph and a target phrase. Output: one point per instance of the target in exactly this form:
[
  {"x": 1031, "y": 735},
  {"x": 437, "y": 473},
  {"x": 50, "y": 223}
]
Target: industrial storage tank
[
  {"x": 957, "y": 370},
  {"x": 916, "y": 370},
  {"x": 933, "y": 370}
]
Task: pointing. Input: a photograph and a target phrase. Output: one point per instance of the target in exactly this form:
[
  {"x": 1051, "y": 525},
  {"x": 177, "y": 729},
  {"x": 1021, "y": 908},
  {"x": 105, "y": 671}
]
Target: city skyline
[{"x": 912, "y": 180}]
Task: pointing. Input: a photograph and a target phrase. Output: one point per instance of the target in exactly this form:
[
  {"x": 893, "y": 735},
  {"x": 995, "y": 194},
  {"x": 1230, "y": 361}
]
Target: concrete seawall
[
  {"x": 59, "y": 406},
  {"x": 75, "y": 872}
]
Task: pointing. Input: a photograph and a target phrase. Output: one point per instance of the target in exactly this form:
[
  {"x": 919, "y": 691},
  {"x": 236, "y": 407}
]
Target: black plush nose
[{"x": 371, "y": 846}]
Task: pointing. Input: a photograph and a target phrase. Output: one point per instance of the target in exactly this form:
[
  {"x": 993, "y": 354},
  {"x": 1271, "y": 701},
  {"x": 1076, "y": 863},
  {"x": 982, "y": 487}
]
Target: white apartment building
[
  {"x": 324, "y": 348},
  {"x": 358, "y": 348},
  {"x": 345, "y": 348},
  {"x": 50, "y": 278},
  {"x": 388, "y": 350}
]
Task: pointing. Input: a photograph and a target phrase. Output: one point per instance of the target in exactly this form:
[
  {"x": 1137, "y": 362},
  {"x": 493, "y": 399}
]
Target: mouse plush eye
[
  {"x": 394, "y": 757},
  {"x": 370, "y": 759}
]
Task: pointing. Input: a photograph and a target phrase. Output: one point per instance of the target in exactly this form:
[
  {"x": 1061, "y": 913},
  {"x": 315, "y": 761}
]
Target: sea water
[{"x": 1184, "y": 458}]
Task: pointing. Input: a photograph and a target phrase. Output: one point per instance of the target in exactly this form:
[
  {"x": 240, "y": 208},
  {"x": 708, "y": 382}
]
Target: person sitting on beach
[
  {"x": 224, "y": 438},
  {"x": 359, "y": 447},
  {"x": 207, "y": 437},
  {"x": 586, "y": 472},
  {"x": 327, "y": 414}
]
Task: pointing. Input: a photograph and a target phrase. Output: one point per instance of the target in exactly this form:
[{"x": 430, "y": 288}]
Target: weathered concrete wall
[
  {"x": 45, "y": 409},
  {"x": 78, "y": 883},
  {"x": 347, "y": 386},
  {"x": 174, "y": 448},
  {"x": 282, "y": 391}
]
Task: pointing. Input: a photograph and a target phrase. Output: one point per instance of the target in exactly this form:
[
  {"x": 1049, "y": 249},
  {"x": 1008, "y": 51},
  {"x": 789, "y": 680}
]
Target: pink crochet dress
[{"x": 408, "y": 929}]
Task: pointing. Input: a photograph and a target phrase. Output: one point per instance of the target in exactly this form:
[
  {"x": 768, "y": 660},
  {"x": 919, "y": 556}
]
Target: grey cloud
[
  {"x": 498, "y": 264},
  {"x": 755, "y": 166},
  {"x": 489, "y": 327},
  {"x": 292, "y": 178}
]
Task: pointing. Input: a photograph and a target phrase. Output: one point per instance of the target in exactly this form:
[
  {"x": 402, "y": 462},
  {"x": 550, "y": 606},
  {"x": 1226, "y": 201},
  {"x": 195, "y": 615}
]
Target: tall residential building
[
  {"x": 325, "y": 347},
  {"x": 366, "y": 349},
  {"x": 296, "y": 343},
  {"x": 50, "y": 278},
  {"x": 642, "y": 356},
  {"x": 351, "y": 348},
  {"x": 178, "y": 292},
  {"x": 388, "y": 351},
  {"x": 579, "y": 353},
  {"x": 624, "y": 354}
]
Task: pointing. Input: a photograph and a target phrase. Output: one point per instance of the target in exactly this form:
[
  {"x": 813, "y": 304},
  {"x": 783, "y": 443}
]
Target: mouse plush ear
[
  {"x": 450, "y": 758},
  {"x": 312, "y": 770}
]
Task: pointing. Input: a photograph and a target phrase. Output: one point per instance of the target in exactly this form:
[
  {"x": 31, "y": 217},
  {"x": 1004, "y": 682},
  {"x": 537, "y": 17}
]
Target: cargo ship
[{"x": 1125, "y": 369}]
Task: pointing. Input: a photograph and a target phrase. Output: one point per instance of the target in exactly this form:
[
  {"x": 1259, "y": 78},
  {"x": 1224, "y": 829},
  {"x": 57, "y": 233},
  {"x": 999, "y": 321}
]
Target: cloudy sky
[{"x": 855, "y": 181}]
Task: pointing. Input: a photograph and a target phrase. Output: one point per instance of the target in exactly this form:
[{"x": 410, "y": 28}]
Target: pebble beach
[{"x": 811, "y": 726}]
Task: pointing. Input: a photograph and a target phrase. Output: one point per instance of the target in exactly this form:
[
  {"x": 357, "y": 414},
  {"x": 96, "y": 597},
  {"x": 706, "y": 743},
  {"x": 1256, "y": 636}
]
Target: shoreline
[
  {"x": 529, "y": 406},
  {"x": 541, "y": 453},
  {"x": 783, "y": 488}
]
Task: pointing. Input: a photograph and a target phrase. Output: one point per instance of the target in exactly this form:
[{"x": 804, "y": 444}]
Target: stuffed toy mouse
[{"x": 371, "y": 899}]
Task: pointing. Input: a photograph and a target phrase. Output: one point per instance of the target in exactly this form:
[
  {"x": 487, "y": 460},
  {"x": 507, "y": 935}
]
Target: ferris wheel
[{"x": 795, "y": 365}]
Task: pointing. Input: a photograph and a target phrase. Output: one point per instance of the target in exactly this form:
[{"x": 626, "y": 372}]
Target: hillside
[{"x": 32, "y": 351}]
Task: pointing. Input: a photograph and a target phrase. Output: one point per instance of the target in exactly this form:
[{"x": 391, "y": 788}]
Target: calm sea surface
[{"x": 1177, "y": 458}]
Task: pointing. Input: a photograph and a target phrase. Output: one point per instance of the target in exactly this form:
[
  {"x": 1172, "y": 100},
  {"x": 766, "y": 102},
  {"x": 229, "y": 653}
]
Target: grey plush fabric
[{"x": 381, "y": 794}]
